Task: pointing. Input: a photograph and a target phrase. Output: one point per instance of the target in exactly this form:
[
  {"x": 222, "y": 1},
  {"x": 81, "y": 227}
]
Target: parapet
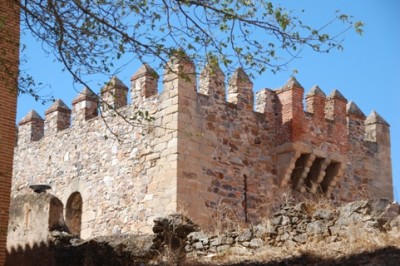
[{"x": 321, "y": 123}]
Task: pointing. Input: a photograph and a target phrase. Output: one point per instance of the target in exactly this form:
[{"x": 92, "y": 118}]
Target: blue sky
[{"x": 366, "y": 72}]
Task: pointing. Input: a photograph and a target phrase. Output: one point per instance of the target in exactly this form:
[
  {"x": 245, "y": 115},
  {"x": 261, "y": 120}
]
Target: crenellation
[
  {"x": 315, "y": 104},
  {"x": 240, "y": 90},
  {"x": 355, "y": 126},
  {"x": 84, "y": 106},
  {"x": 113, "y": 94},
  {"x": 31, "y": 128},
  {"x": 354, "y": 111},
  {"x": 315, "y": 119},
  {"x": 212, "y": 82},
  {"x": 57, "y": 117},
  {"x": 180, "y": 75},
  {"x": 201, "y": 153},
  {"x": 144, "y": 84},
  {"x": 335, "y": 111},
  {"x": 290, "y": 109},
  {"x": 377, "y": 129},
  {"x": 335, "y": 108},
  {"x": 266, "y": 101}
]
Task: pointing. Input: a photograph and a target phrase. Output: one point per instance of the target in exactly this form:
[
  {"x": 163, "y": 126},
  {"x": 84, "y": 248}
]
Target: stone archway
[{"x": 73, "y": 213}]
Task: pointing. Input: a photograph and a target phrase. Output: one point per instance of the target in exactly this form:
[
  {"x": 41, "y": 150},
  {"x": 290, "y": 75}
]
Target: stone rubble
[{"x": 294, "y": 225}]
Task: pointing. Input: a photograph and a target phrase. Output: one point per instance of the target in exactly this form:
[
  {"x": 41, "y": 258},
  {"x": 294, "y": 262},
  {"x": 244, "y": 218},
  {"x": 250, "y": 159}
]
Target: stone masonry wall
[
  {"x": 210, "y": 153},
  {"x": 124, "y": 182},
  {"x": 9, "y": 61},
  {"x": 225, "y": 170}
]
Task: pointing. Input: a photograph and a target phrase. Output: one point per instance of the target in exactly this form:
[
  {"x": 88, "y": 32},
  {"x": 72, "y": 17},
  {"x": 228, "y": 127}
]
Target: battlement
[
  {"x": 209, "y": 142},
  {"x": 322, "y": 121}
]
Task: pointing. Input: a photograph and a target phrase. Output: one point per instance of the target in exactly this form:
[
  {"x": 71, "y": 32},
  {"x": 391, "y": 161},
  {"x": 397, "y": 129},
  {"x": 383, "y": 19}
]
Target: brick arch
[{"x": 73, "y": 213}]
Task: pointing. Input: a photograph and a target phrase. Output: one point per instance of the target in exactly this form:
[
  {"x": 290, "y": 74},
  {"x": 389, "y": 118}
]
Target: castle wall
[
  {"x": 125, "y": 180},
  {"x": 213, "y": 152}
]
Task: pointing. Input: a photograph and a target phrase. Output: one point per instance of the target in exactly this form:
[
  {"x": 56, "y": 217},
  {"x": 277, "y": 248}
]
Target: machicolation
[{"x": 204, "y": 150}]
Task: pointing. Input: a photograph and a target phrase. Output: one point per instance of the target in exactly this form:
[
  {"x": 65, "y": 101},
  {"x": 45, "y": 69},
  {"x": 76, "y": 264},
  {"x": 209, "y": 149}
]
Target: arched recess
[{"x": 73, "y": 213}]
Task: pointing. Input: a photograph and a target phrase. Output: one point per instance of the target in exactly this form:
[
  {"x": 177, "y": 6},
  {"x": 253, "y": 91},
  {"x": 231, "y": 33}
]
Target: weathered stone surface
[
  {"x": 32, "y": 217},
  {"x": 215, "y": 159},
  {"x": 324, "y": 225}
]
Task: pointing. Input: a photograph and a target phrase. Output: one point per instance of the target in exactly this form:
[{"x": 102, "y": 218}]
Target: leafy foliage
[{"x": 88, "y": 36}]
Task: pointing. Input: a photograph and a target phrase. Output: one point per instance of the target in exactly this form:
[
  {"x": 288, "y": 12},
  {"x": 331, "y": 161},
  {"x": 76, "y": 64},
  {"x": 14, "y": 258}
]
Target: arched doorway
[{"x": 73, "y": 213}]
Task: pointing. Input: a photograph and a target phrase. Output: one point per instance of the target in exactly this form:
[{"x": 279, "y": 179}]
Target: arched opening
[{"x": 73, "y": 213}]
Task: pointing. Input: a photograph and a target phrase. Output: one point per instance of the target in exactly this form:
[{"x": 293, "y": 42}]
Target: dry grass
[{"x": 358, "y": 242}]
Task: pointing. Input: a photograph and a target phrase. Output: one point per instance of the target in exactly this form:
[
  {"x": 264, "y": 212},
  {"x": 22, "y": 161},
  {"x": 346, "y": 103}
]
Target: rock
[
  {"x": 323, "y": 214},
  {"x": 378, "y": 206},
  {"x": 212, "y": 249},
  {"x": 316, "y": 228},
  {"x": 198, "y": 246},
  {"x": 271, "y": 230},
  {"x": 331, "y": 239},
  {"x": 336, "y": 230},
  {"x": 246, "y": 244},
  {"x": 300, "y": 238},
  {"x": 204, "y": 240},
  {"x": 175, "y": 225},
  {"x": 285, "y": 236},
  {"x": 241, "y": 251},
  {"x": 276, "y": 220},
  {"x": 301, "y": 207},
  {"x": 290, "y": 244},
  {"x": 216, "y": 241},
  {"x": 55, "y": 233},
  {"x": 227, "y": 240},
  {"x": 196, "y": 236},
  {"x": 353, "y": 207},
  {"x": 245, "y": 236},
  {"x": 223, "y": 248},
  {"x": 395, "y": 223},
  {"x": 285, "y": 220},
  {"x": 390, "y": 213},
  {"x": 256, "y": 243},
  {"x": 259, "y": 231},
  {"x": 188, "y": 248}
]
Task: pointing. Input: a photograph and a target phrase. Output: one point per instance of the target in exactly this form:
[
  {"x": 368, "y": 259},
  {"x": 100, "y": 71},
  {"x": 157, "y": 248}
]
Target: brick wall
[{"x": 9, "y": 47}]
